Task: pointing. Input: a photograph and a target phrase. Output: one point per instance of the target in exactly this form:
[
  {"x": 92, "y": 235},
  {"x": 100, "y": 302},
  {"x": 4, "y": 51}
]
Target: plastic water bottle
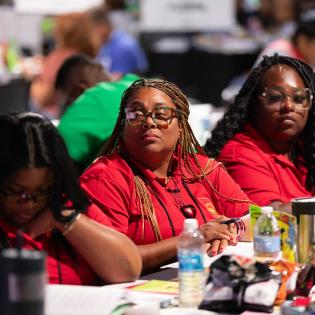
[
  {"x": 267, "y": 235},
  {"x": 191, "y": 271}
]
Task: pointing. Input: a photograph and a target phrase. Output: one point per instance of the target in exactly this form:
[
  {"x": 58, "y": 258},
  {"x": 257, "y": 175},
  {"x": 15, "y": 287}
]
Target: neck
[
  {"x": 282, "y": 147},
  {"x": 159, "y": 167}
]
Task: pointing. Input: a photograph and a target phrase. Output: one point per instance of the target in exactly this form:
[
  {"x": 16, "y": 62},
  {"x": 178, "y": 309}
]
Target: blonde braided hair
[{"x": 189, "y": 146}]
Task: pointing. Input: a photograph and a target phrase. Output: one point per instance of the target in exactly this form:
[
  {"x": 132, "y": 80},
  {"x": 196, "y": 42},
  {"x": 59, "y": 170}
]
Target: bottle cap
[
  {"x": 266, "y": 209},
  {"x": 190, "y": 224}
]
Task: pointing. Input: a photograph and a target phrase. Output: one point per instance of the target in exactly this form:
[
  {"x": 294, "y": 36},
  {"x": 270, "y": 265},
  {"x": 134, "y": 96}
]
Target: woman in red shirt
[
  {"x": 41, "y": 198},
  {"x": 153, "y": 174},
  {"x": 266, "y": 138}
]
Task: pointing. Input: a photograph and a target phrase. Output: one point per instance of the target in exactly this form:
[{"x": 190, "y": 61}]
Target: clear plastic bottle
[
  {"x": 267, "y": 235},
  {"x": 191, "y": 271}
]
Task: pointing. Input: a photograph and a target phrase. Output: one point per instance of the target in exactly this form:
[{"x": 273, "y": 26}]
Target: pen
[{"x": 233, "y": 220}]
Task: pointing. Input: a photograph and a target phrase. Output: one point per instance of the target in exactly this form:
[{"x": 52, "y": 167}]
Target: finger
[
  {"x": 209, "y": 236},
  {"x": 214, "y": 226},
  {"x": 223, "y": 245},
  {"x": 214, "y": 247}
]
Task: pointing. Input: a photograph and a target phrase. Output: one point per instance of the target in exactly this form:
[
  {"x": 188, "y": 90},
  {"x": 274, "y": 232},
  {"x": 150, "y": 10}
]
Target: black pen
[{"x": 229, "y": 221}]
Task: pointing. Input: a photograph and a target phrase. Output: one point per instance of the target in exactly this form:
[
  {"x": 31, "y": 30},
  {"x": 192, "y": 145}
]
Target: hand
[
  {"x": 218, "y": 246},
  {"x": 214, "y": 230},
  {"x": 41, "y": 224}
]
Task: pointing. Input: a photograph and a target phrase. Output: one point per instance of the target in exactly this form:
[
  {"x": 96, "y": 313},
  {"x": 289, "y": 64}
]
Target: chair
[{"x": 14, "y": 96}]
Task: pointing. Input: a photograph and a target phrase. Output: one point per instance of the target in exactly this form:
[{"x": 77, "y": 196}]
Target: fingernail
[
  {"x": 213, "y": 253},
  {"x": 220, "y": 250}
]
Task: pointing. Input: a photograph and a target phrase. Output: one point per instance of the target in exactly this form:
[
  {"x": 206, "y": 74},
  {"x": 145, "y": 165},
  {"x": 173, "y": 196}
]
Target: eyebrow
[
  {"x": 137, "y": 104},
  {"x": 23, "y": 187}
]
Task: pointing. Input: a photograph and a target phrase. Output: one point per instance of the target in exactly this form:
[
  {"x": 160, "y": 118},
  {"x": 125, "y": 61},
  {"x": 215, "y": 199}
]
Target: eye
[
  {"x": 135, "y": 115},
  {"x": 162, "y": 113},
  {"x": 44, "y": 191},
  {"x": 299, "y": 99},
  {"x": 13, "y": 192},
  {"x": 274, "y": 97}
]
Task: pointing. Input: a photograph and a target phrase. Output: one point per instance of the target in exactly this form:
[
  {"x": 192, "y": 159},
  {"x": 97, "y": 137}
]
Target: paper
[
  {"x": 157, "y": 286},
  {"x": 80, "y": 300},
  {"x": 242, "y": 249}
]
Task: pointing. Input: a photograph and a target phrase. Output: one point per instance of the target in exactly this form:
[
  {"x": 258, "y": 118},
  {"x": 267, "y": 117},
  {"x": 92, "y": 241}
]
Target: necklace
[{"x": 188, "y": 211}]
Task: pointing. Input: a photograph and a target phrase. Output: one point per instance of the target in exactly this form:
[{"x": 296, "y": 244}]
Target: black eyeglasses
[
  {"x": 23, "y": 197},
  {"x": 301, "y": 98},
  {"x": 162, "y": 116}
]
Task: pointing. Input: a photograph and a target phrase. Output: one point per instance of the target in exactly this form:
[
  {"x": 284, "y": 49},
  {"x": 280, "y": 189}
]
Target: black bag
[{"x": 236, "y": 284}]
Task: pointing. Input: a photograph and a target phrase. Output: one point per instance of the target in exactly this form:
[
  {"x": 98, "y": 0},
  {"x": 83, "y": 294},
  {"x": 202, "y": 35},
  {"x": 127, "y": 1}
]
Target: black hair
[
  {"x": 71, "y": 70},
  {"x": 306, "y": 26},
  {"x": 30, "y": 140},
  {"x": 238, "y": 113},
  {"x": 99, "y": 15}
]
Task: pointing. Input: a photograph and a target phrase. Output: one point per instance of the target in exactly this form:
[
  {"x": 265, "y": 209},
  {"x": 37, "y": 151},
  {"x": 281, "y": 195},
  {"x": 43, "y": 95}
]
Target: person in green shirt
[{"x": 91, "y": 105}]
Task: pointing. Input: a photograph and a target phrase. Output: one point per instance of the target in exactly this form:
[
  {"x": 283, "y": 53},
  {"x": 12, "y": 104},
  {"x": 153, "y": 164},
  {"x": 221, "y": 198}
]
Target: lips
[
  {"x": 24, "y": 217},
  {"x": 149, "y": 137},
  {"x": 288, "y": 121}
]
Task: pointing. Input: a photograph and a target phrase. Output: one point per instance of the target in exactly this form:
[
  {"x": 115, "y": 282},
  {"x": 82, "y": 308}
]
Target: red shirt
[
  {"x": 109, "y": 183},
  {"x": 74, "y": 269},
  {"x": 264, "y": 175}
]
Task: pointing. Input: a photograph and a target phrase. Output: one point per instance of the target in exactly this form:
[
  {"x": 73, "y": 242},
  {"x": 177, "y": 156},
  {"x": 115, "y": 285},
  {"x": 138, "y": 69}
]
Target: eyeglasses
[
  {"x": 23, "y": 197},
  {"x": 162, "y": 116},
  {"x": 301, "y": 98}
]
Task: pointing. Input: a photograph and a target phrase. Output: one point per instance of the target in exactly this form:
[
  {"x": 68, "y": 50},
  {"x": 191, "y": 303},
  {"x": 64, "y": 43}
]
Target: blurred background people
[
  {"x": 266, "y": 138},
  {"x": 89, "y": 119},
  {"x": 76, "y": 74},
  {"x": 120, "y": 52},
  {"x": 301, "y": 45},
  {"x": 73, "y": 33},
  {"x": 40, "y": 197}
]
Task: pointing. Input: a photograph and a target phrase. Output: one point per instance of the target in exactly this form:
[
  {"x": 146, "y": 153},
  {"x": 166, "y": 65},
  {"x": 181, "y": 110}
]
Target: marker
[{"x": 233, "y": 220}]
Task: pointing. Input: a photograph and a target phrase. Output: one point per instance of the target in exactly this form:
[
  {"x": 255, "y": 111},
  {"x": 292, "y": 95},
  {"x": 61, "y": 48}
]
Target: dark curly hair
[{"x": 238, "y": 113}]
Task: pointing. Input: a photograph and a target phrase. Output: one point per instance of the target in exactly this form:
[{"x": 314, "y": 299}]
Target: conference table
[{"x": 121, "y": 299}]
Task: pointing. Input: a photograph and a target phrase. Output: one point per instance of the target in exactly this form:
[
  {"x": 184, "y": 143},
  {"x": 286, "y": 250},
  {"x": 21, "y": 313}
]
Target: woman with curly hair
[
  {"x": 266, "y": 139},
  {"x": 152, "y": 174}
]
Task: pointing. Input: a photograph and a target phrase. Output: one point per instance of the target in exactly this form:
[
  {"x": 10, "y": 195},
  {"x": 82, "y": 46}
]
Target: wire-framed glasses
[
  {"x": 275, "y": 97},
  {"x": 161, "y": 115},
  {"x": 23, "y": 197}
]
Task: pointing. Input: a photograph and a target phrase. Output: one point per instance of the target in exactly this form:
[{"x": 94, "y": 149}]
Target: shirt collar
[
  {"x": 136, "y": 166},
  {"x": 262, "y": 143}
]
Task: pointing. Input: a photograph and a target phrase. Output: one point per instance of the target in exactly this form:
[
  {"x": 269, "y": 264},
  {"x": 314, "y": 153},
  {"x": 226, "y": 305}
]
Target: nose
[
  {"x": 287, "y": 104},
  {"x": 149, "y": 122}
]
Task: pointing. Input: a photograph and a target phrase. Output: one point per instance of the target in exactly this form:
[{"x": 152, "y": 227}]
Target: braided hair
[
  {"x": 188, "y": 144},
  {"x": 238, "y": 113},
  {"x": 30, "y": 140}
]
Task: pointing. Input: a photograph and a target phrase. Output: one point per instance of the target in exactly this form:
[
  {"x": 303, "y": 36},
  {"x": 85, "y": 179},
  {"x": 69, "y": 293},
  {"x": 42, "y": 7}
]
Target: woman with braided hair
[
  {"x": 266, "y": 139},
  {"x": 152, "y": 174},
  {"x": 41, "y": 199}
]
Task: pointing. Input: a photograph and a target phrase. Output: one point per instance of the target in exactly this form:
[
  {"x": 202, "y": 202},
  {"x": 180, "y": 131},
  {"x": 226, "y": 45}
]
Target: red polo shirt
[
  {"x": 109, "y": 182},
  {"x": 264, "y": 175},
  {"x": 73, "y": 268}
]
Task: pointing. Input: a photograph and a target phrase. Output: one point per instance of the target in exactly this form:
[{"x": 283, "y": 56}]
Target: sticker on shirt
[{"x": 205, "y": 201}]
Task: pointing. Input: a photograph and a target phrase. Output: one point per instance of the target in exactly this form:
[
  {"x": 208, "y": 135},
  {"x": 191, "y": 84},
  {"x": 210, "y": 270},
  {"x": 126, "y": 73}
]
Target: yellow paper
[{"x": 157, "y": 286}]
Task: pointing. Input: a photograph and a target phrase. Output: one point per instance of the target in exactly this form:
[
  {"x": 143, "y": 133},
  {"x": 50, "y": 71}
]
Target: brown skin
[
  {"x": 153, "y": 148},
  {"x": 281, "y": 127},
  {"x": 92, "y": 240},
  {"x": 306, "y": 47}
]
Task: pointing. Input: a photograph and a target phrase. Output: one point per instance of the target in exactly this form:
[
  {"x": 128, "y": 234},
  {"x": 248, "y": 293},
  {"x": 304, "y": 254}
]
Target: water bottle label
[
  {"x": 191, "y": 262},
  {"x": 268, "y": 244}
]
